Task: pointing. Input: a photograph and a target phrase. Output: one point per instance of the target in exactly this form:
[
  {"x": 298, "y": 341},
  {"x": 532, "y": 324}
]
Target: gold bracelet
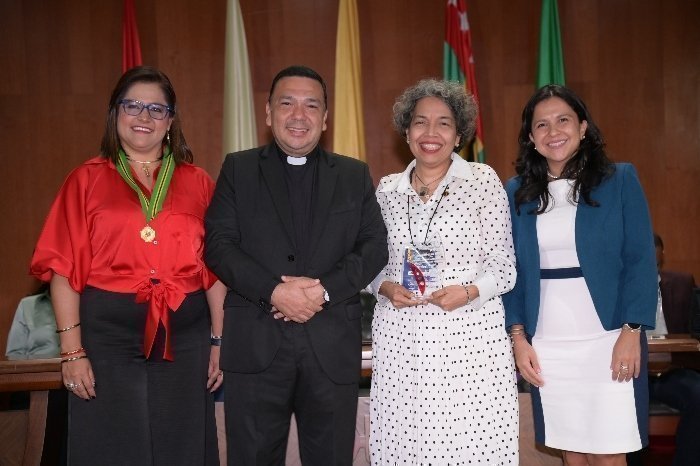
[
  {"x": 68, "y": 353},
  {"x": 61, "y": 330},
  {"x": 74, "y": 358}
]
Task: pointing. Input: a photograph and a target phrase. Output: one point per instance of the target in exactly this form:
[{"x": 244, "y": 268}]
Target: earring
[
  {"x": 167, "y": 137},
  {"x": 408, "y": 141},
  {"x": 583, "y": 137}
]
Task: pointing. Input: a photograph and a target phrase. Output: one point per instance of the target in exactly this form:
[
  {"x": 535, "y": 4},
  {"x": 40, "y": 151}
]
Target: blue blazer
[{"x": 615, "y": 248}]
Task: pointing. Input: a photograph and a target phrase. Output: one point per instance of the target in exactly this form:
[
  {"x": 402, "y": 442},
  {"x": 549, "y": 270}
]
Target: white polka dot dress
[{"x": 443, "y": 385}]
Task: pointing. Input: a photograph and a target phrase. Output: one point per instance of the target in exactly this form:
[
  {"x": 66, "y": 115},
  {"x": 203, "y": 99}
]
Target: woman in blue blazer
[{"x": 586, "y": 285}]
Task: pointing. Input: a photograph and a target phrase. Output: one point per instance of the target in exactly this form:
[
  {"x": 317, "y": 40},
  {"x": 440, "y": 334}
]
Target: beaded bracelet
[
  {"x": 61, "y": 330},
  {"x": 68, "y": 353},
  {"x": 75, "y": 358},
  {"x": 469, "y": 297}
]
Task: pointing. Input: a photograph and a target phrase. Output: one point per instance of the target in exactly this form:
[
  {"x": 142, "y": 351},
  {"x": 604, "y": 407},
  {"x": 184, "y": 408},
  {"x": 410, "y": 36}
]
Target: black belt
[{"x": 557, "y": 274}]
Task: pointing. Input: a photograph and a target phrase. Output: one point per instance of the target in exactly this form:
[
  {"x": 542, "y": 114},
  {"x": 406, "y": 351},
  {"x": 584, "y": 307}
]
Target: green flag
[{"x": 550, "y": 63}]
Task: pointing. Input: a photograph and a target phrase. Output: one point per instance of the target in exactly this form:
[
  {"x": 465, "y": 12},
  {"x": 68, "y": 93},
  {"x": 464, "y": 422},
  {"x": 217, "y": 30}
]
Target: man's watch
[{"x": 326, "y": 298}]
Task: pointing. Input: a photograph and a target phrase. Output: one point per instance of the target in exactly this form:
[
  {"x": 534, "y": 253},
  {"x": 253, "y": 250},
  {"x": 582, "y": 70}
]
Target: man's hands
[{"x": 297, "y": 298}]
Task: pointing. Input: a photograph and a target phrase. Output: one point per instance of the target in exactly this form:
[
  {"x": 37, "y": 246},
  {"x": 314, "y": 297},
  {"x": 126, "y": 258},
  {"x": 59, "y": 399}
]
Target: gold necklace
[
  {"x": 145, "y": 164},
  {"x": 425, "y": 188}
]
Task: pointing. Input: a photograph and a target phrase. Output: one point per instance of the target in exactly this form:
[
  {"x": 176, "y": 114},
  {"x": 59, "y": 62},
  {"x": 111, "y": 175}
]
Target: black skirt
[{"x": 148, "y": 412}]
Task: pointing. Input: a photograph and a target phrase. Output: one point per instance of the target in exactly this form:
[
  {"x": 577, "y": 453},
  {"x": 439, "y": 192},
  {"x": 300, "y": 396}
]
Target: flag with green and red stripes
[{"x": 459, "y": 66}]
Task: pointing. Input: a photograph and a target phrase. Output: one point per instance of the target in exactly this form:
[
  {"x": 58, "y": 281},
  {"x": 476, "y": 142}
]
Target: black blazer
[
  {"x": 678, "y": 300},
  {"x": 250, "y": 244}
]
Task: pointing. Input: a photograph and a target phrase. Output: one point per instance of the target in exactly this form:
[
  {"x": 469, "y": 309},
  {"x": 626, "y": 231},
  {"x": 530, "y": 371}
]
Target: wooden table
[
  {"x": 26, "y": 430},
  {"x": 673, "y": 351}
]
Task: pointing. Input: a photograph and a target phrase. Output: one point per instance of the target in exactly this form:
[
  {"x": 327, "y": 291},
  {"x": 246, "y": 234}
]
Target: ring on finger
[{"x": 71, "y": 386}]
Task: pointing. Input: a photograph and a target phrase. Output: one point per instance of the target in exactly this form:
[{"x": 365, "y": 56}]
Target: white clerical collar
[{"x": 296, "y": 160}]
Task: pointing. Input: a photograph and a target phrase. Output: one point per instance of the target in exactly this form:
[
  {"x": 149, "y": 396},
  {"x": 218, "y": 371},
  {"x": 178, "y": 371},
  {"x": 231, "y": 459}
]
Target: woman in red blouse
[{"x": 122, "y": 248}]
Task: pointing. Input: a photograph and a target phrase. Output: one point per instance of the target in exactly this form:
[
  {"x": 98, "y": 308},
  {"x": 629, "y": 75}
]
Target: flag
[
  {"x": 550, "y": 63},
  {"x": 239, "y": 130},
  {"x": 131, "y": 46},
  {"x": 348, "y": 121},
  {"x": 458, "y": 65}
]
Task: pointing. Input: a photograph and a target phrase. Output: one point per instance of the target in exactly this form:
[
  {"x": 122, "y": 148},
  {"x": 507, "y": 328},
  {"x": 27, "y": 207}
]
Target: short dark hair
[
  {"x": 110, "y": 146},
  {"x": 299, "y": 71}
]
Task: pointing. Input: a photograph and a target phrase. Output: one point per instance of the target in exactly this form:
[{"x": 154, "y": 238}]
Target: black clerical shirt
[{"x": 301, "y": 181}]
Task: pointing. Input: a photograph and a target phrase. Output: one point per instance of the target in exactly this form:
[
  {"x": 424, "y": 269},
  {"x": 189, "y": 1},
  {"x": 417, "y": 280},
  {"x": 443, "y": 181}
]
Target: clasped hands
[
  {"x": 297, "y": 299},
  {"x": 448, "y": 298}
]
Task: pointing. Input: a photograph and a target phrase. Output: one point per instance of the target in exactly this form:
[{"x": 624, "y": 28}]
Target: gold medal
[{"x": 148, "y": 234}]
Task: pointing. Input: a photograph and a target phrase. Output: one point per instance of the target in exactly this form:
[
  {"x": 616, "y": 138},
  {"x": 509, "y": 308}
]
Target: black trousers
[
  {"x": 259, "y": 407},
  {"x": 148, "y": 412}
]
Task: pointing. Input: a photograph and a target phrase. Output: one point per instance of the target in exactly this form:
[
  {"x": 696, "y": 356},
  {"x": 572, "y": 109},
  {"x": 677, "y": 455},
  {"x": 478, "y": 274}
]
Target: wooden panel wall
[{"x": 636, "y": 64}]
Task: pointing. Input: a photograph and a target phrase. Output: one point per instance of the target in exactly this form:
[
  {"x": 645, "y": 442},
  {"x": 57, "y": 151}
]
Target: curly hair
[
  {"x": 588, "y": 167},
  {"x": 462, "y": 105},
  {"x": 111, "y": 144}
]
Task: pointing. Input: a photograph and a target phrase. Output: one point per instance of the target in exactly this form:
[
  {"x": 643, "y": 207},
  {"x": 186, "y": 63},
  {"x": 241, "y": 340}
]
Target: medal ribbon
[{"x": 152, "y": 206}]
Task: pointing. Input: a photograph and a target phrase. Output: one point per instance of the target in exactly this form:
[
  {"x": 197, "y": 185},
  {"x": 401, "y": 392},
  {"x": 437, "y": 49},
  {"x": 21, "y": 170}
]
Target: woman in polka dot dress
[{"x": 443, "y": 387}]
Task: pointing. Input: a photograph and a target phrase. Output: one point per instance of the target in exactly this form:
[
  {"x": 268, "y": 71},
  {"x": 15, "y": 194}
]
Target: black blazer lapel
[
  {"x": 273, "y": 174},
  {"x": 326, "y": 177}
]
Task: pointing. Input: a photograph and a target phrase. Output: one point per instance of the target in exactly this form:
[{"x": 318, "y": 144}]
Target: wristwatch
[
  {"x": 325, "y": 295},
  {"x": 632, "y": 327}
]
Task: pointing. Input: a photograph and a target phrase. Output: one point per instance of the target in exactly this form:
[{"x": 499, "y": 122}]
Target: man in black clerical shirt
[{"x": 295, "y": 232}]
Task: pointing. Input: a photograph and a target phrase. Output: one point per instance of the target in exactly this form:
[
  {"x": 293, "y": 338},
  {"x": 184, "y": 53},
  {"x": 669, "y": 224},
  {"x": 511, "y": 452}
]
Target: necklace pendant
[
  {"x": 148, "y": 234},
  {"x": 423, "y": 191},
  {"x": 145, "y": 170}
]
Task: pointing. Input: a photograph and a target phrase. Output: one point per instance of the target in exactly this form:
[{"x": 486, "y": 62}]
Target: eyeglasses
[{"x": 135, "y": 107}]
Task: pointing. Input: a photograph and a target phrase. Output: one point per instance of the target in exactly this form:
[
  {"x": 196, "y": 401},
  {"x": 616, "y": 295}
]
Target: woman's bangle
[
  {"x": 74, "y": 358},
  {"x": 469, "y": 296},
  {"x": 68, "y": 353},
  {"x": 61, "y": 330},
  {"x": 216, "y": 340}
]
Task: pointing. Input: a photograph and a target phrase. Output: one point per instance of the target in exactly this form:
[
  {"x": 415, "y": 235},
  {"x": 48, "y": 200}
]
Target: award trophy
[{"x": 421, "y": 269}]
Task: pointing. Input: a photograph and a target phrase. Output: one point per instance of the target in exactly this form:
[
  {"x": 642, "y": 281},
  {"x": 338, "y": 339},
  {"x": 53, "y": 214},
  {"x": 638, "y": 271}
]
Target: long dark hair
[
  {"x": 588, "y": 167},
  {"x": 110, "y": 145}
]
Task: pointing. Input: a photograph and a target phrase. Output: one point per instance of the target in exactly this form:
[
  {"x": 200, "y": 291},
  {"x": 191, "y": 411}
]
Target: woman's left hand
[
  {"x": 451, "y": 297},
  {"x": 626, "y": 356},
  {"x": 215, "y": 377}
]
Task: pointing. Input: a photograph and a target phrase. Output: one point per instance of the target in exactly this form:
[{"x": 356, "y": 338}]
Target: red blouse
[{"x": 92, "y": 237}]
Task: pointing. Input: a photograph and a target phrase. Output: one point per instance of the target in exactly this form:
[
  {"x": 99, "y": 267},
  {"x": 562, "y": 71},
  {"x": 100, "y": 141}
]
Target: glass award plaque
[{"x": 421, "y": 269}]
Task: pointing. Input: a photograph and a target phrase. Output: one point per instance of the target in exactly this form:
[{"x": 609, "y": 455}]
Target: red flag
[
  {"x": 459, "y": 63},
  {"x": 131, "y": 46}
]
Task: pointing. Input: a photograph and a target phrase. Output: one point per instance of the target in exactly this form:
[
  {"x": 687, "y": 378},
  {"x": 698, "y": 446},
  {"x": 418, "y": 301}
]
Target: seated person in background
[
  {"x": 677, "y": 294},
  {"x": 33, "y": 331},
  {"x": 678, "y": 388}
]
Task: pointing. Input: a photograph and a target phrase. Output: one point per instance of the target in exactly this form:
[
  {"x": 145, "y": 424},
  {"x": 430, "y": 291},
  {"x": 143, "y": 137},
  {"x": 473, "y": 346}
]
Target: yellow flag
[
  {"x": 239, "y": 129},
  {"x": 348, "y": 120}
]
